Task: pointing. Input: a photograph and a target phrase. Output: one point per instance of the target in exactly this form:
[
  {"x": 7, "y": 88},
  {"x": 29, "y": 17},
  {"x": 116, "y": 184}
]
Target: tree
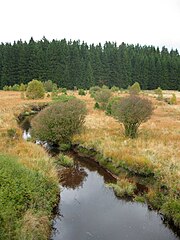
[
  {"x": 59, "y": 122},
  {"x": 48, "y": 86},
  {"x": 35, "y": 90},
  {"x": 132, "y": 111}
]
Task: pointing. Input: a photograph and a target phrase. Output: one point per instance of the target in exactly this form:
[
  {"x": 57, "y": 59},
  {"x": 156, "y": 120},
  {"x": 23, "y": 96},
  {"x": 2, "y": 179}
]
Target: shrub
[
  {"x": 94, "y": 90},
  {"x": 135, "y": 88},
  {"x": 35, "y": 90},
  {"x": 81, "y": 92},
  {"x": 114, "y": 89},
  {"x": 63, "y": 90},
  {"x": 96, "y": 105},
  {"x": 102, "y": 97},
  {"x": 48, "y": 86},
  {"x": 159, "y": 93},
  {"x": 22, "y": 87},
  {"x": 173, "y": 99},
  {"x": 59, "y": 122},
  {"x": 132, "y": 111},
  {"x": 110, "y": 104}
]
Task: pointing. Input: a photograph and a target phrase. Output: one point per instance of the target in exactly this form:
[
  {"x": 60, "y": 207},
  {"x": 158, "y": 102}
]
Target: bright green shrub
[{"x": 35, "y": 90}]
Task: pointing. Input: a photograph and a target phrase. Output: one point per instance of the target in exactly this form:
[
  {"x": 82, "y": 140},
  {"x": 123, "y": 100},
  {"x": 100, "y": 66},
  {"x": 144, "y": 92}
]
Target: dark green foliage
[
  {"x": 132, "y": 111},
  {"x": 35, "y": 90},
  {"x": 22, "y": 189},
  {"x": 81, "y": 92},
  {"x": 96, "y": 105},
  {"x": 72, "y": 63},
  {"x": 59, "y": 122}
]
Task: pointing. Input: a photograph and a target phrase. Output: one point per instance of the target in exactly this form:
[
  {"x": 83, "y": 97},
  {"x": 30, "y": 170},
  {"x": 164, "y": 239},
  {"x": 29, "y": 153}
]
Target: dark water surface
[{"x": 88, "y": 209}]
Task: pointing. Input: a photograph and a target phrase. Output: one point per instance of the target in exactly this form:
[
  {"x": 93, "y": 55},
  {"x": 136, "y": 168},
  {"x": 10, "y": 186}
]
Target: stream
[{"x": 88, "y": 208}]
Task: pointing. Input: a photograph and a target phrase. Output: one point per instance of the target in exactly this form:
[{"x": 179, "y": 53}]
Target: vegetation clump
[
  {"x": 132, "y": 111},
  {"x": 35, "y": 90},
  {"x": 81, "y": 92},
  {"x": 173, "y": 99},
  {"x": 64, "y": 161},
  {"x": 135, "y": 88},
  {"x": 159, "y": 93},
  {"x": 94, "y": 90},
  {"x": 59, "y": 122},
  {"x": 123, "y": 188},
  {"x": 102, "y": 97}
]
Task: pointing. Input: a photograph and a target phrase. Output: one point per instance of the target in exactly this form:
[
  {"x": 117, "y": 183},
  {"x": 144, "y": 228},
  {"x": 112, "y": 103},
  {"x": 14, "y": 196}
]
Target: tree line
[{"x": 72, "y": 64}]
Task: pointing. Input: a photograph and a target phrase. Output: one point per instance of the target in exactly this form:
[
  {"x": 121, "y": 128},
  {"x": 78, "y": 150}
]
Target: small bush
[
  {"x": 12, "y": 133},
  {"x": 64, "y": 161},
  {"x": 48, "y": 86},
  {"x": 64, "y": 147},
  {"x": 81, "y": 92},
  {"x": 132, "y": 111},
  {"x": 159, "y": 93},
  {"x": 59, "y": 122},
  {"x": 114, "y": 89},
  {"x": 135, "y": 88},
  {"x": 173, "y": 99},
  {"x": 63, "y": 90},
  {"x": 96, "y": 105},
  {"x": 110, "y": 104},
  {"x": 102, "y": 97},
  {"x": 35, "y": 90},
  {"x": 94, "y": 90}
]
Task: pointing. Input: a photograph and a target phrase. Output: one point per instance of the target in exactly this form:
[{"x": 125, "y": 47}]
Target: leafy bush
[
  {"x": 96, "y": 105},
  {"x": 114, "y": 89},
  {"x": 94, "y": 90},
  {"x": 35, "y": 90},
  {"x": 135, "y": 88},
  {"x": 102, "y": 97},
  {"x": 59, "y": 122},
  {"x": 81, "y": 92},
  {"x": 132, "y": 111},
  {"x": 63, "y": 90}
]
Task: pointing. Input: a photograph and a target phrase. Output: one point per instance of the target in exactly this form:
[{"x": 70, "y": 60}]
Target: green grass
[
  {"x": 64, "y": 161},
  {"x": 22, "y": 190}
]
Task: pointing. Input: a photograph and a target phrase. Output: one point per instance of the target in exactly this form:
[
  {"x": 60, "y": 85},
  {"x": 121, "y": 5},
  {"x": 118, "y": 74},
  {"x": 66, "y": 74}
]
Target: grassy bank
[
  {"x": 28, "y": 178},
  {"x": 154, "y": 153}
]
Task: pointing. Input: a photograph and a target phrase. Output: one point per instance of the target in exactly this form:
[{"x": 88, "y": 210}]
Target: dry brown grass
[
  {"x": 31, "y": 155},
  {"x": 158, "y": 144}
]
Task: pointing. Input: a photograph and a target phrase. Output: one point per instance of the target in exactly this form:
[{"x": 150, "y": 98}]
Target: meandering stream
[{"x": 89, "y": 209}]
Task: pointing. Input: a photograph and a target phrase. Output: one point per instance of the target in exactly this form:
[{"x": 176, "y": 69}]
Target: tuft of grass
[
  {"x": 64, "y": 161},
  {"x": 123, "y": 188},
  {"x": 171, "y": 210}
]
